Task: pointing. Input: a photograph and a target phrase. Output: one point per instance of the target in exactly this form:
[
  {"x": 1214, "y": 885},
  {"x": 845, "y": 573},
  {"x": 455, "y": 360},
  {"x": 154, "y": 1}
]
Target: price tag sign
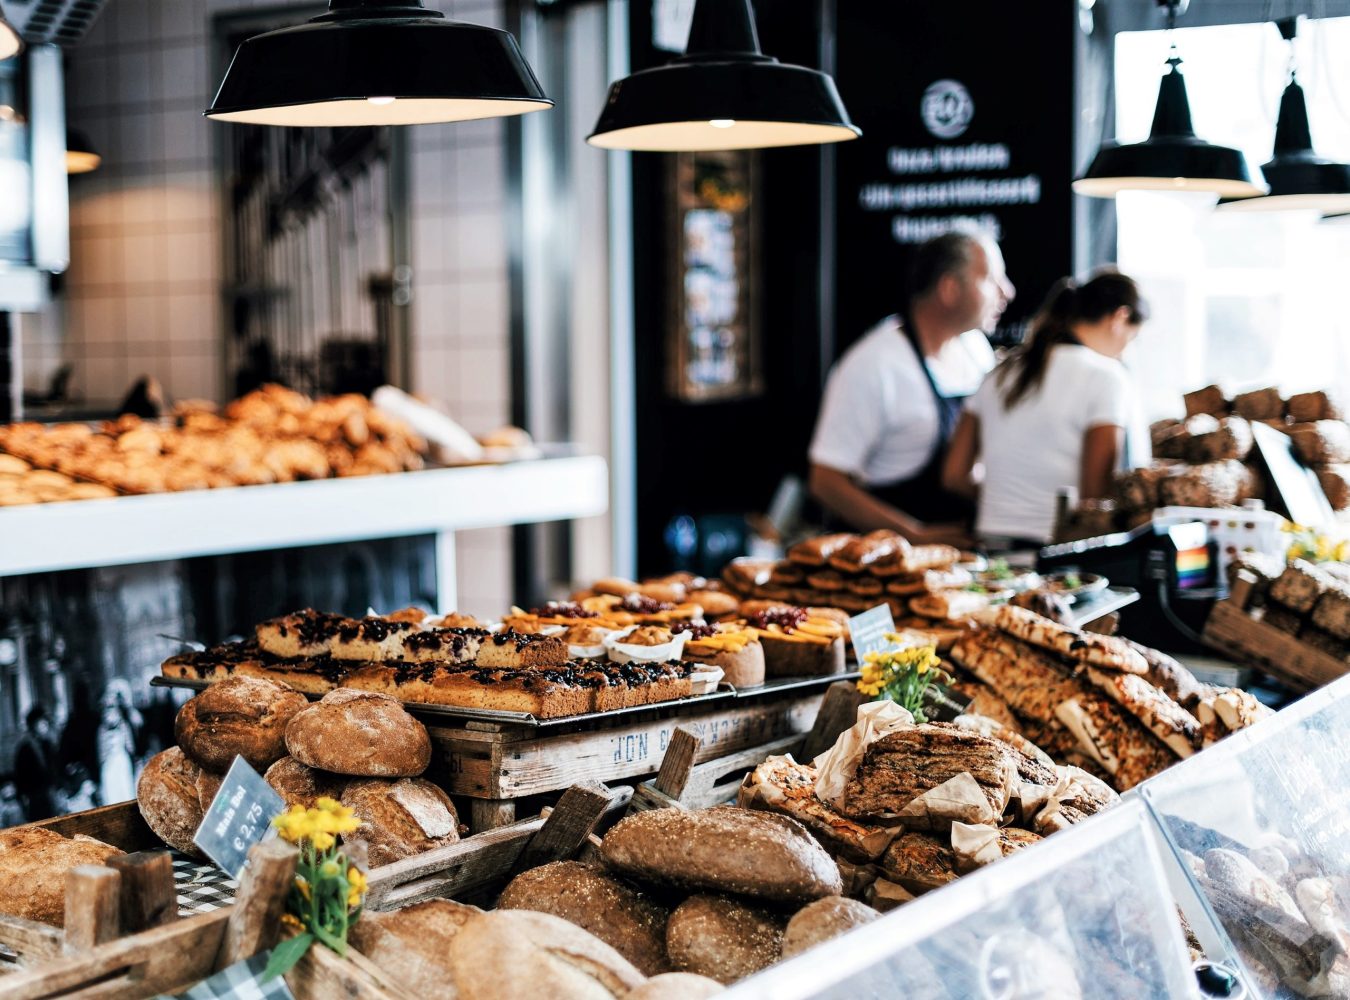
[
  {"x": 240, "y": 816},
  {"x": 867, "y": 631}
]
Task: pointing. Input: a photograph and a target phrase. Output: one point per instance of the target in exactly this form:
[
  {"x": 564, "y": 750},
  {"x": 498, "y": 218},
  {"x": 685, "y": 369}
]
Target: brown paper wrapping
[
  {"x": 883, "y": 895},
  {"x": 1049, "y": 818},
  {"x": 835, "y": 767},
  {"x": 958, "y": 799},
  {"x": 975, "y": 845}
]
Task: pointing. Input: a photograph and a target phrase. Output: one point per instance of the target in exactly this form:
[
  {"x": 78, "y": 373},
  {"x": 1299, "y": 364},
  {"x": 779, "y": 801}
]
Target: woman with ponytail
[{"x": 1055, "y": 413}]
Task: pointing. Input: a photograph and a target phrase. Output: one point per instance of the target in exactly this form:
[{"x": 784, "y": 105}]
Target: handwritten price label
[{"x": 239, "y": 817}]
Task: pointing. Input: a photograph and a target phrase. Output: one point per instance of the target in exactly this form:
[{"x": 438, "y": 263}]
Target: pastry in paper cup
[
  {"x": 586, "y": 641},
  {"x": 642, "y": 648},
  {"x": 705, "y": 679}
]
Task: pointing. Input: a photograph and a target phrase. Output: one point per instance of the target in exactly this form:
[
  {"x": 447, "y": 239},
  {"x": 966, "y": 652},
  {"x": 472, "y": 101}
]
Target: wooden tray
[{"x": 1232, "y": 630}]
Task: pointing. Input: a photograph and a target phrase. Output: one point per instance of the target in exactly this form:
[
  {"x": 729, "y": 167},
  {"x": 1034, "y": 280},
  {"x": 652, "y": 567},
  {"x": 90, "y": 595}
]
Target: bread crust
[
  {"x": 33, "y": 866},
  {"x": 301, "y": 785},
  {"x": 401, "y": 818},
  {"x": 360, "y": 733},
  {"x": 173, "y": 794},
  {"x": 244, "y": 716},
  {"x": 723, "y": 938},
  {"x": 412, "y": 944},
  {"x": 823, "y": 920},
  {"x": 624, "y": 918}
]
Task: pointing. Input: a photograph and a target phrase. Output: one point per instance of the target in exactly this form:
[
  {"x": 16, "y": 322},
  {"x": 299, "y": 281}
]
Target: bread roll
[
  {"x": 723, "y": 938},
  {"x": 174, "y": 794},
  {"x": 401, "y": 818},
  {"x": 724, "y": 850},
  {"x": 303, "y": 786},
  {"x": 519, "y": 955},
  {"x": 412, "y": 944},
  {"x": 676, "y": 986},
  {"x": 623, "y": 918},
  {"x": 822, "y": 920},
  {"x": 359, "y": 733},
  {"x": 33, "y": 866},
  {"x": 241, "y": 715}
]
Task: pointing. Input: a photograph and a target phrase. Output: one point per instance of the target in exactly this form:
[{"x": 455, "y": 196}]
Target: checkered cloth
[
  {"x": 201, "y": 885},
  {"x": 239, "y": 982}
]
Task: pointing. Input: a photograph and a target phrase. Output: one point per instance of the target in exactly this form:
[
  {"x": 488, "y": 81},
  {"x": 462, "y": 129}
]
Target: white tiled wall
[{"x": 143, "y": 291}]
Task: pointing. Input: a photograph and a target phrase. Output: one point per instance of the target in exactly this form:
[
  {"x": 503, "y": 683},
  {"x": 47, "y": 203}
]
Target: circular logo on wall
[{"x": 946, "y": 108}]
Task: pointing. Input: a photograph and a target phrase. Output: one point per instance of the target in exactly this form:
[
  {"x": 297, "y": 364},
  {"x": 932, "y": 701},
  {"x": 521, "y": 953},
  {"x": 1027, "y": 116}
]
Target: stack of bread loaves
[{"x": 356, "y": 746}]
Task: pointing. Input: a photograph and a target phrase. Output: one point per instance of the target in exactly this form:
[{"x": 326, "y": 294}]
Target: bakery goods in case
[
  {"x": 723, "y": 938},
  {"x": 401, "y": 818},
  {"x": 173, "y": 794},
  {"x": 1085, "y": 647},
  {"x": 359, "y": 733},
  {"x": 735, "y": 649},
  {"x": 244, "y": 716},
  {"x": 33, "y": 866},
  {"x": 624, "y": 918},
  {"x": 302, "y": 633}
]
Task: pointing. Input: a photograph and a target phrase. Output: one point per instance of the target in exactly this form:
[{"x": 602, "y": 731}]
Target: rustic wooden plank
[
  {"x": 1237, "y": 634},
  {"x": 29, "y": 938},
  {"x": 255, "y": 917},
  {"x": 567, "y": 826},
  {"x": 92, "y": 905},
  {"x": 838, "y": 713},
  {"x": 707, "y": 780},
  {"x": 162, "y": 960},
  {"x": 629, "y": 748},
  {"x": 148, "y": 896},
  {"x": 491, "y": 814},
  {"x": 648, "y": 796},
  {"x": 677, "y": 766},
  {"x": 120, "y": 825}
]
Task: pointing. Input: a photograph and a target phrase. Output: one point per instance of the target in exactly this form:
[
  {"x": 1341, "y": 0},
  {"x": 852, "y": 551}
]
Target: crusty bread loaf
[
  {"x": 1209, "y": 400},
  {"x": 723, "y": 938},
  {"x": 625, "y": 919},
  {"x": 822, "y": 920},
  {"x": 1307, "y": 407},
  {"x": 1259, "y": 404},
  {"x": 676, "y": 986},
  {"x": 302, "y": 786},
  {"x": 359, "y": 733},
  {"x": 246, "y": 716},
  {"x": 412, "y": 944},
  {"x": 174, "y": 794},
  {"x": 401, "y": 818},
  {"x": 725, "y": 849},
  {"x": 33, "y": 866},
  {"x": 519, "y": 955}
]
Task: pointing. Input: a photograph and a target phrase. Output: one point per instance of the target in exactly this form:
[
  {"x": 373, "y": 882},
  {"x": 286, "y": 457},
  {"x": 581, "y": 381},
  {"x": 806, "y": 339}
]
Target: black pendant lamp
[
  {"x": 81, "y": 156},
  {"x": 10, "y": 42},
  {"x": 723, "y": 93},
  {"x": 377, "y": 62},
  {"x": 1298, "y": 177},
  {"x": 1172, "y": 158}
]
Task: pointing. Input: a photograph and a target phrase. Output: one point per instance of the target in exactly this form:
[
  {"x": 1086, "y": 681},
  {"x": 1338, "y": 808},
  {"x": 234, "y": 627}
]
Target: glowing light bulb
[{"x": 722, "y": 123}]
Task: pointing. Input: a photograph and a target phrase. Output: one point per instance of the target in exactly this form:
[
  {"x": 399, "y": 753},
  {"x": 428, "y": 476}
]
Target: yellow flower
[
  {"x": 291, "y": 920},
  {"x": 330, "y": 869},
  {"x": 322, "y": 840},
  {"x": 327, "y": 804},
  {"x": 353, "y": 899},
  {"x": 356, "y": 879},
  {"x": 303, "y": 886}
]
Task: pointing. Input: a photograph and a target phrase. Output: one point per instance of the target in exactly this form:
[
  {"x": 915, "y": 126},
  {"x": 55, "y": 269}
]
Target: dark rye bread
[
  {"x": 823, "y": 920},
  {"x": 300, "y": 785},
  {"x": 723, "y": 938},
  {"x": 359, "y": 733},
  {"x": 900, "y": 767},
  {"x": 624, "y": 918},
  {"x": 173, "y": 794},
  {"x": 725, "y": 849},
  {"x": 244, "y": 716}
]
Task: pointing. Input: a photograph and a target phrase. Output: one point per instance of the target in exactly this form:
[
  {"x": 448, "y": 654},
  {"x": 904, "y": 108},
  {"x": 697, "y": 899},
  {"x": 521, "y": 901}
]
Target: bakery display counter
[{"x": 50, "y": 537}]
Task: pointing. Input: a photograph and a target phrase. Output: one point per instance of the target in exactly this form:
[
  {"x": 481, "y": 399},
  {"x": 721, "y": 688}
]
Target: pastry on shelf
[
  {"x": 735, "y": 649},
  {"x": 798, "y": 643}
]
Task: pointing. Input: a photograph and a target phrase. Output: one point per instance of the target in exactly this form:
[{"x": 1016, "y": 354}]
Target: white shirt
[
  {"x": 879, "y": 420},
  {"x": 1034, "y": 449}
]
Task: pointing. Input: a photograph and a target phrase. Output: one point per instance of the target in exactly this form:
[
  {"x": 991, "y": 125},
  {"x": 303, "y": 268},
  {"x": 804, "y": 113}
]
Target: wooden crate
[
  {"x": 495, "y": 764},
  {"x": 1233, "y": 631}
]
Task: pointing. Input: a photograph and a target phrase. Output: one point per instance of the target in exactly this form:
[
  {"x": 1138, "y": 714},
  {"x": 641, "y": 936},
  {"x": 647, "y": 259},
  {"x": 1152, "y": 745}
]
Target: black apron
[{"x": 922, "y": 495}]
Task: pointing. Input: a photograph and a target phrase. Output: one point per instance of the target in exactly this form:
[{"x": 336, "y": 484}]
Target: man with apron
[{"x": 892, "y": 401}]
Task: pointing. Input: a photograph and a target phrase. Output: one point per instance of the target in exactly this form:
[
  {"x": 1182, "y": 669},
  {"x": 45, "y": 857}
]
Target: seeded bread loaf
[
  {"x": 723, "y": 938},
  {"x": 359, "y": 733},
  {"x": 624, "y": 918},
  {"x": 173, "y": 794},
  {"x": 244, "y": 716},
  {"x": 822, "y": 920},
  {"x": 725, "y": 849},
  {"x": 33, "y": 866},
  {"x": 401, "y": 818}
]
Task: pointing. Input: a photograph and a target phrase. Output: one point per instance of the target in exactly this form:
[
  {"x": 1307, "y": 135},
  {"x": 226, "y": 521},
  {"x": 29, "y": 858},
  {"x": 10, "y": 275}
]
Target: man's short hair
[
  {"x": 947, "y": 254},
  {"x": 36, "y": 713}
]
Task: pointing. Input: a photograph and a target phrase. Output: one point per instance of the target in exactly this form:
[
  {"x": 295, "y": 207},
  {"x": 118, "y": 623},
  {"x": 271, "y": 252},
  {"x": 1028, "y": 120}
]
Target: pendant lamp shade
[
  {"x": 377, "y": 62},
  {"x": 81, "y": 157},
  {"x": 723, "y": 93},
  {"x": 1172, "y": 158},
  {"x": 10, "y": 42},
  {"x": 1298, "y": 177}
]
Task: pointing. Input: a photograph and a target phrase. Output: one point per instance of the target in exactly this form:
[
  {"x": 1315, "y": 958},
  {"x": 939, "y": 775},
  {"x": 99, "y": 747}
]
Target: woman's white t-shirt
[{"x": 1034, "y": 449}]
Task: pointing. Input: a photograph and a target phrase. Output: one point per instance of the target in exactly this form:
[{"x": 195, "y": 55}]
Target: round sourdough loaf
[
  {"x": 412, "y": 944},
  {"x": 519, "y": 955},
  {"x": 623, "y": 918},
  {"x": 241, "y": 715},
  {"x": 401, "y": 818},
  {"x": 33, "y": 866},
  {"x": 676, "y": 986},
  {"x": 360, "y": 733},
  {"x": 174, "y": 794},
  {"x": 723, "y": 938},
  {"x": 726, "y": 849},
  {"x": 822, "y": 920},
  {"x": 303, "y": 786}
]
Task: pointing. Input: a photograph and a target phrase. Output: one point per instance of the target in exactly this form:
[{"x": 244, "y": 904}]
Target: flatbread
[{"x": 1095, "y": 650}]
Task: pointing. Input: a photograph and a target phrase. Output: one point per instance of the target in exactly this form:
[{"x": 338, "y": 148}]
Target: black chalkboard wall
[{"x": 967, "y": 111}]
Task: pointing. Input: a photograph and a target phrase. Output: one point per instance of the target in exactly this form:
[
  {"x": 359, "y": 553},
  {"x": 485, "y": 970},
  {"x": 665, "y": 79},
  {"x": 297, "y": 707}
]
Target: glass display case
[
  {"x": 1260, "y": 826},
  {"x": 1085, "y": 914}
]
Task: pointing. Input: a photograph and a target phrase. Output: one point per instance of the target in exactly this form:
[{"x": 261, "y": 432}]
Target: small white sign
[{"x": 867, "y": 631}]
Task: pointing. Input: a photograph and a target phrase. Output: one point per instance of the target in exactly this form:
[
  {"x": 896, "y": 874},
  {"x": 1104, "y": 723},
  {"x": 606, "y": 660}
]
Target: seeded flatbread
[
  {"x": 1161, "y": 716},
  {"x": 1096, "y": 650},
  {"x": 1124, "y": 748}
]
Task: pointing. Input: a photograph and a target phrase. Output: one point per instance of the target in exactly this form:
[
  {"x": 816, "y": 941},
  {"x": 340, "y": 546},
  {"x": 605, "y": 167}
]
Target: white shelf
[{"x": 80, "y": 534}]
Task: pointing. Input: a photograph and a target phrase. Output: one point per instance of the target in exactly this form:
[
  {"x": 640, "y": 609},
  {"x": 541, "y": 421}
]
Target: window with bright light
[{"x": 1245, "y": 299}]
